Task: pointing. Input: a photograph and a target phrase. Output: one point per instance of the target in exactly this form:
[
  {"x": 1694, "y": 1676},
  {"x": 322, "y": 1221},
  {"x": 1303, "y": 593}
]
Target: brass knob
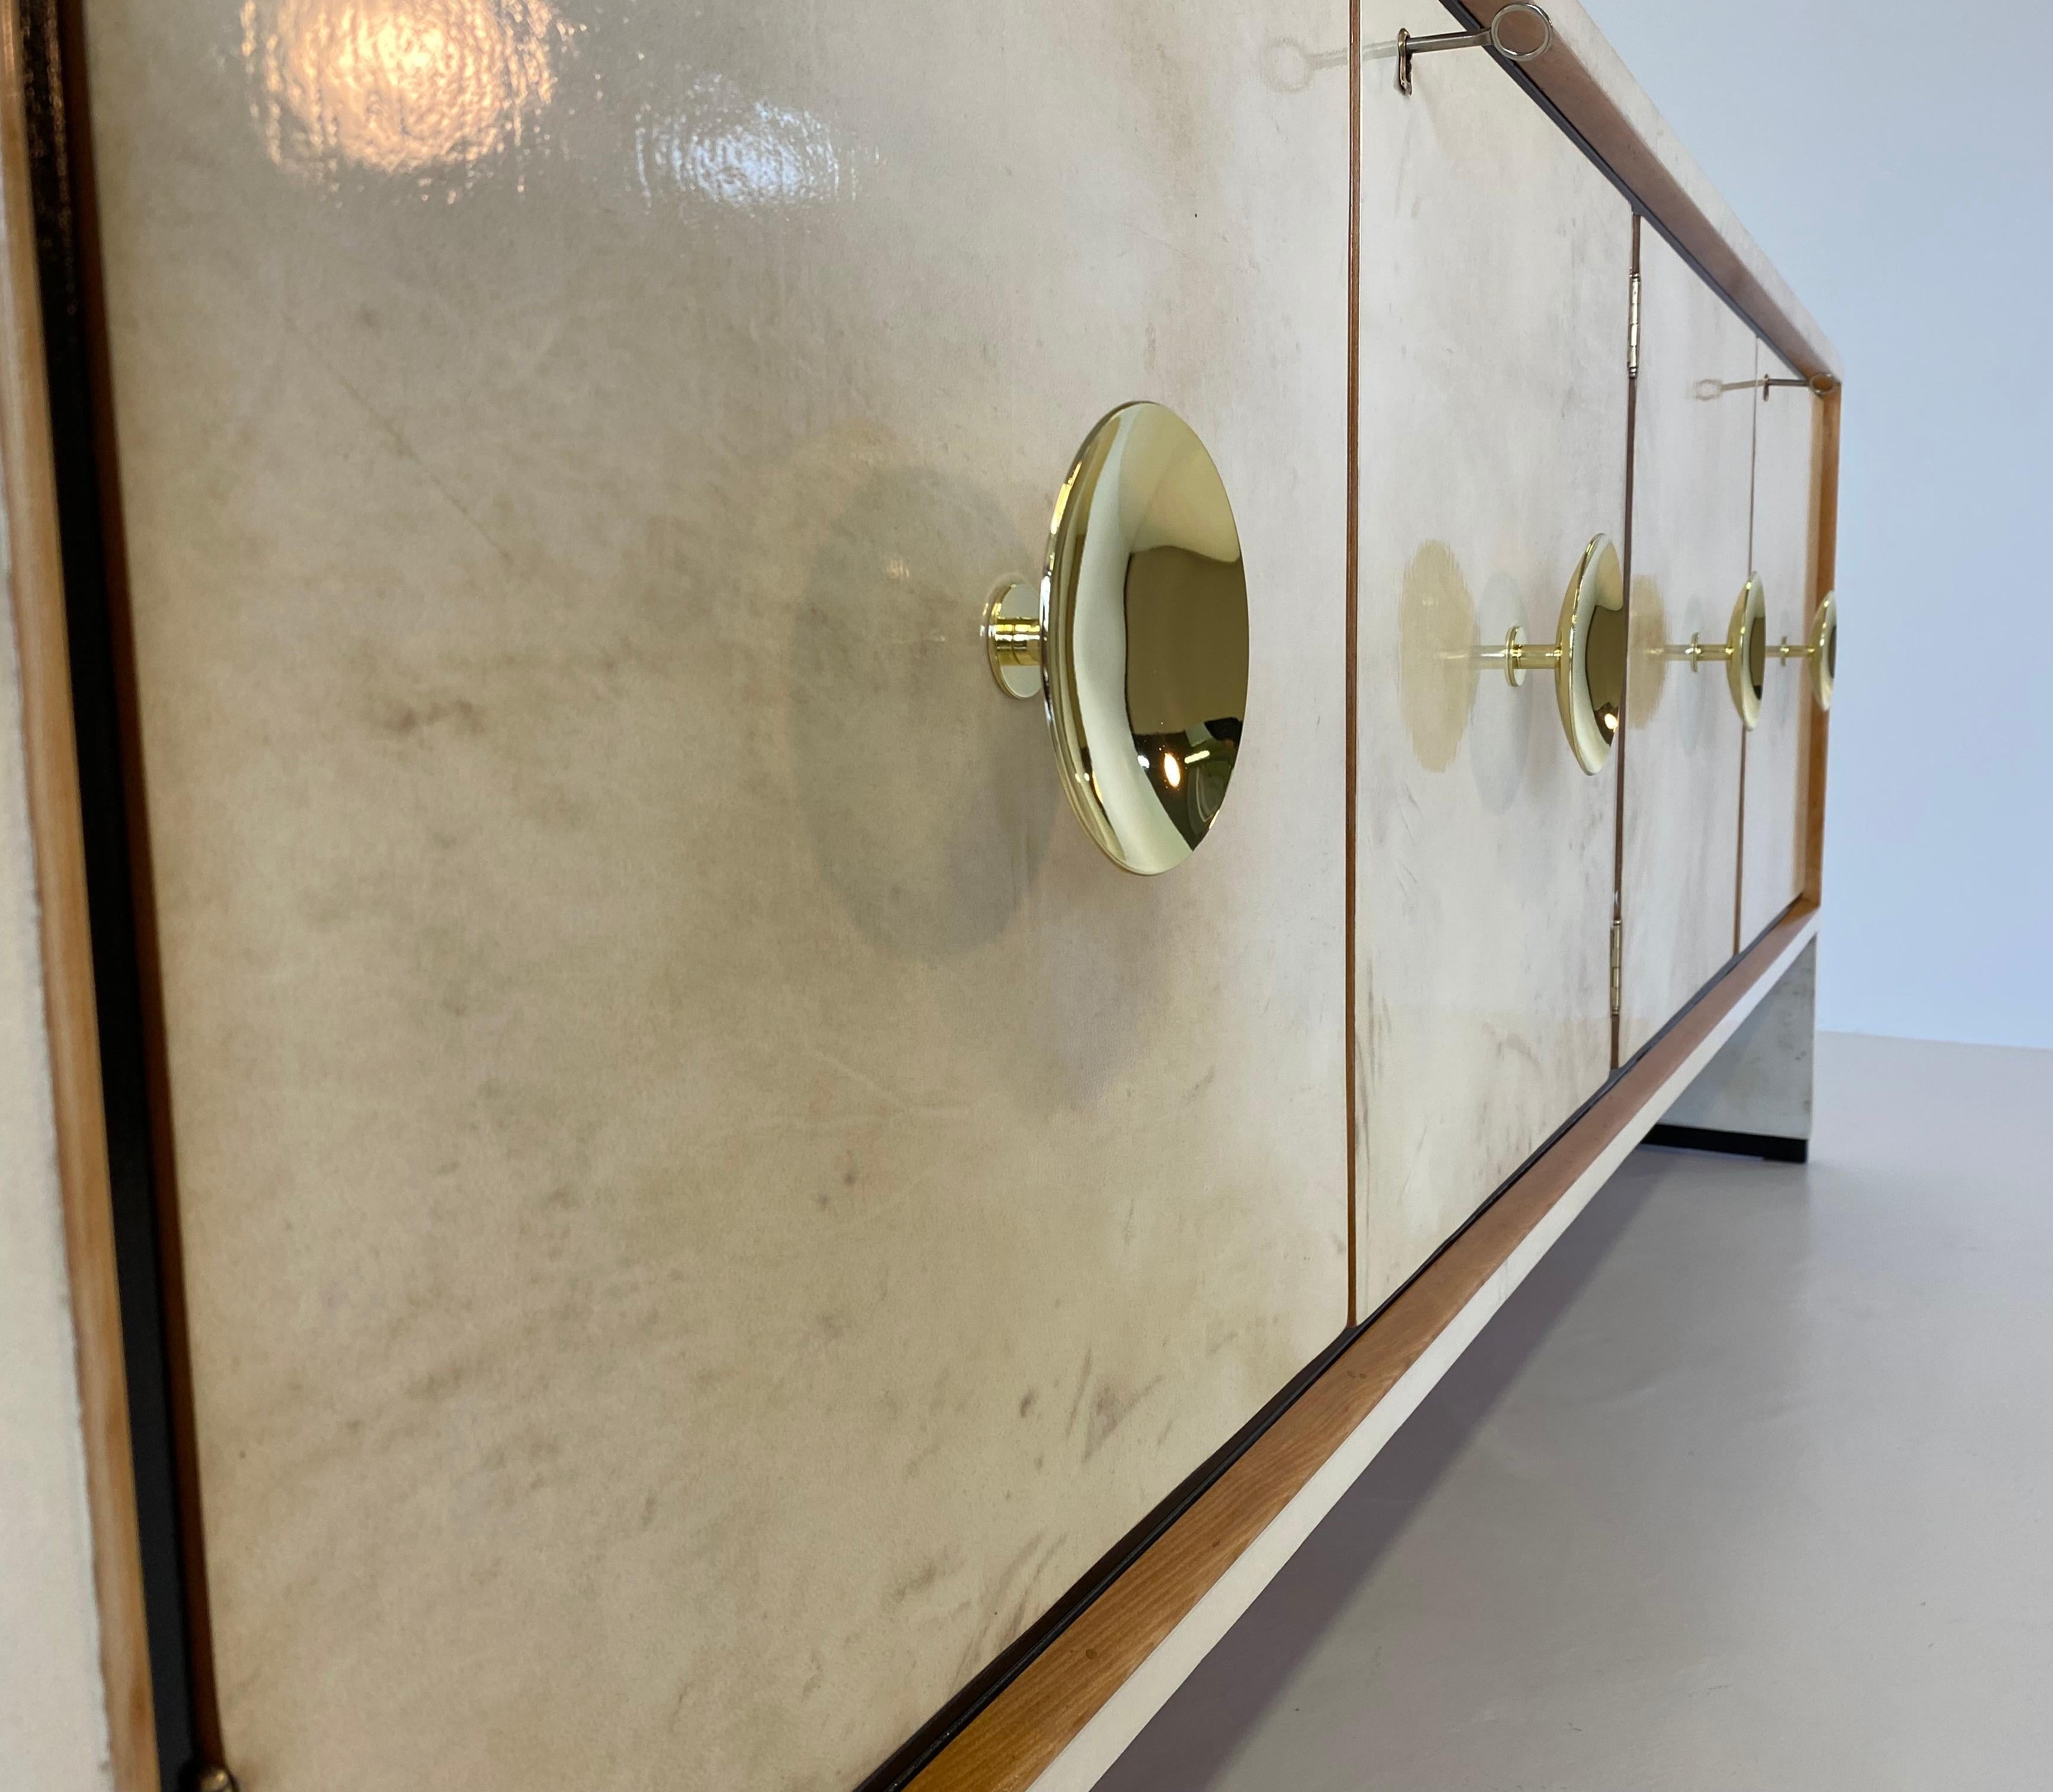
[
  {"x": 1134, "y": 636},
  {"x": 1745, "y": 651},
  {"x": 1822, "y": 650},
  {"x": 1588, "y": 657}
]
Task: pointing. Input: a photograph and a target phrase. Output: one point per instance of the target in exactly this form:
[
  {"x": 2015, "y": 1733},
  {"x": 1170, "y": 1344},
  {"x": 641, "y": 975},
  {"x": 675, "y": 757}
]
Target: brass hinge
[
  {"x": 1632, "y": 330},
  {"x": 1617, "y": 963}
]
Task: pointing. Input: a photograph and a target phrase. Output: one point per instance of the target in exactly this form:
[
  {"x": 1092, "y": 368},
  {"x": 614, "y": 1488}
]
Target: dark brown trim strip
[
  {"x": 47, "y": 38},
  {"x": 1351, "y": 969},
  {"x": 35, "y": 575},
  {"x": 179, "y": 1587},
  {"x": 1021, "y": 1730}
]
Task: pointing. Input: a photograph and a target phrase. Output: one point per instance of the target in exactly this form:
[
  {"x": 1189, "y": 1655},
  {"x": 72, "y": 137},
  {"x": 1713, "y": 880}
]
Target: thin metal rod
[
  {"x": 1491, "y": 37},
  {"x": 1442, "y": 40},
  {"x": 1820, "y": 386},
  {"x": 1518, "y": 657},
  {"x": 1694, "y": 650}
]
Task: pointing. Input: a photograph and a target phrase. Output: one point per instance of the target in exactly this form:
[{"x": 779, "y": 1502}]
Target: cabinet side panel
[
  {"x": 707, "y": 1203},
  {"x": 1494, "y": 282}
]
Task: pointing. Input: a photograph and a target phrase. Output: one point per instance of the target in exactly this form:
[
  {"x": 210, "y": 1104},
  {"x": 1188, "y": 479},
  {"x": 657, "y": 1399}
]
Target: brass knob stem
[
  {"x": 1695, "y": 652},
  {"x": 1014, "y": 644},
  {"x": 1517, "y": 658}
]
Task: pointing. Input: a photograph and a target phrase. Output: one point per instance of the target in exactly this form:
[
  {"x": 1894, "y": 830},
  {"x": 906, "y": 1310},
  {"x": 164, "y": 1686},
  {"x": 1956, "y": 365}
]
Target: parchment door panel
[
  {"x": 1693, "y": 472},
  {"x": 1785, "y": 520},
  {"x": 1495, "y": 268},
  {"x": 707, "y": 1203}
]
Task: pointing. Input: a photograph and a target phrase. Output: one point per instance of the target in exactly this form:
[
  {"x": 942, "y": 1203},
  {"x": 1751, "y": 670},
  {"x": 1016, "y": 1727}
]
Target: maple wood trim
[{"x": 35, "y": 573}]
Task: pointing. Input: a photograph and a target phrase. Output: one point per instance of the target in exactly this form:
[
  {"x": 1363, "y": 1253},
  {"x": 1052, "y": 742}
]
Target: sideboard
[{"x": 731, "y": 1112}]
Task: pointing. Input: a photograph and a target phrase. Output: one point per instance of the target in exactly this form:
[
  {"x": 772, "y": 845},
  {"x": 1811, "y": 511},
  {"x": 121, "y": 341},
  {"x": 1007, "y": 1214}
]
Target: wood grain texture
[
  {"x": 35, "y": 571},
  {"x": 1007, "y": 1746},
  {"x": 1583, "y": 75}
]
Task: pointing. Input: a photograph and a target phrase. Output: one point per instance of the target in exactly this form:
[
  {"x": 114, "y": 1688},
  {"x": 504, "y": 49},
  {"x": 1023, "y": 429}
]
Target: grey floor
[{"x": 1749, "y": 1487}]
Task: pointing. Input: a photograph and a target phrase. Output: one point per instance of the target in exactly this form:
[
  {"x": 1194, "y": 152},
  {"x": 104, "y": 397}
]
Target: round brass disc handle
[
  {"x": 1822, "y": 650},
  {"x": 1745, "y": 652},
  {"x": 1135, "y": 637},
  {"x": 1587, "y": 657}
]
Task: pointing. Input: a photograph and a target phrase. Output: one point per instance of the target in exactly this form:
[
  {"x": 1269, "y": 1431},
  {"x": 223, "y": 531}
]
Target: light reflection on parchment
[
  {"x": 1647, "y": 617},
  {"x": 721, "y": 145},
  {"x": 1436, "y": 668},
  {"x": 442, "y": 95},
  {"x": 438, "y": 90}
]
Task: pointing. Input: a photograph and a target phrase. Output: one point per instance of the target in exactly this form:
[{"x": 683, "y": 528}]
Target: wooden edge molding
[
  {"x": 1825, "y": 545},
  {"x": 1583, "y": 79},
  {"x": 35, "y": 572},
  {"x": 1072, "y": 1710},
  {"x": 1351, "y": 1058}
]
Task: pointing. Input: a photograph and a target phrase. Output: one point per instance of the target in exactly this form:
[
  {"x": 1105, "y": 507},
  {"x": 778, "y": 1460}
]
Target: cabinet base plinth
[{"x": 1732, "y": 1144}]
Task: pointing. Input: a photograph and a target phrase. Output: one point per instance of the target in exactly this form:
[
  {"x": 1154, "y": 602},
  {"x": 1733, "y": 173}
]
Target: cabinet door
[
  {"x": 1692, "y": 483},
  {"x": 1785, "y": 521},
  {"x": 1494, "y": 284},
  {"x": 707, "y": 1203}
]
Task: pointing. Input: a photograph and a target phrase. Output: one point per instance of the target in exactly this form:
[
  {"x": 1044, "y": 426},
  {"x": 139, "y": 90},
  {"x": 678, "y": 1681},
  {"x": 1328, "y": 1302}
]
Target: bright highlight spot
[
  {"x": 398, "y": 86},
  {"x": 739, "y": 151}
]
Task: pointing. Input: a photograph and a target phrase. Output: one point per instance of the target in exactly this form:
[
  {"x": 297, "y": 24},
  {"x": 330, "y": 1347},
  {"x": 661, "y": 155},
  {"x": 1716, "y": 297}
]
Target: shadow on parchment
[{"x": 1195, "y": 1737}]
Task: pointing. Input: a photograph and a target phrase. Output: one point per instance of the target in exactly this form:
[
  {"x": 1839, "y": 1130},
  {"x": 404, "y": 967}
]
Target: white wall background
[{"x": 1896, "y": 163}]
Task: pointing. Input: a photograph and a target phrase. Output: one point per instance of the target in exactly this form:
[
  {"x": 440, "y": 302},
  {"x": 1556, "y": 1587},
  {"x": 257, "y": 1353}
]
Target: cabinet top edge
[{"x": 1589, "y": 83}]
